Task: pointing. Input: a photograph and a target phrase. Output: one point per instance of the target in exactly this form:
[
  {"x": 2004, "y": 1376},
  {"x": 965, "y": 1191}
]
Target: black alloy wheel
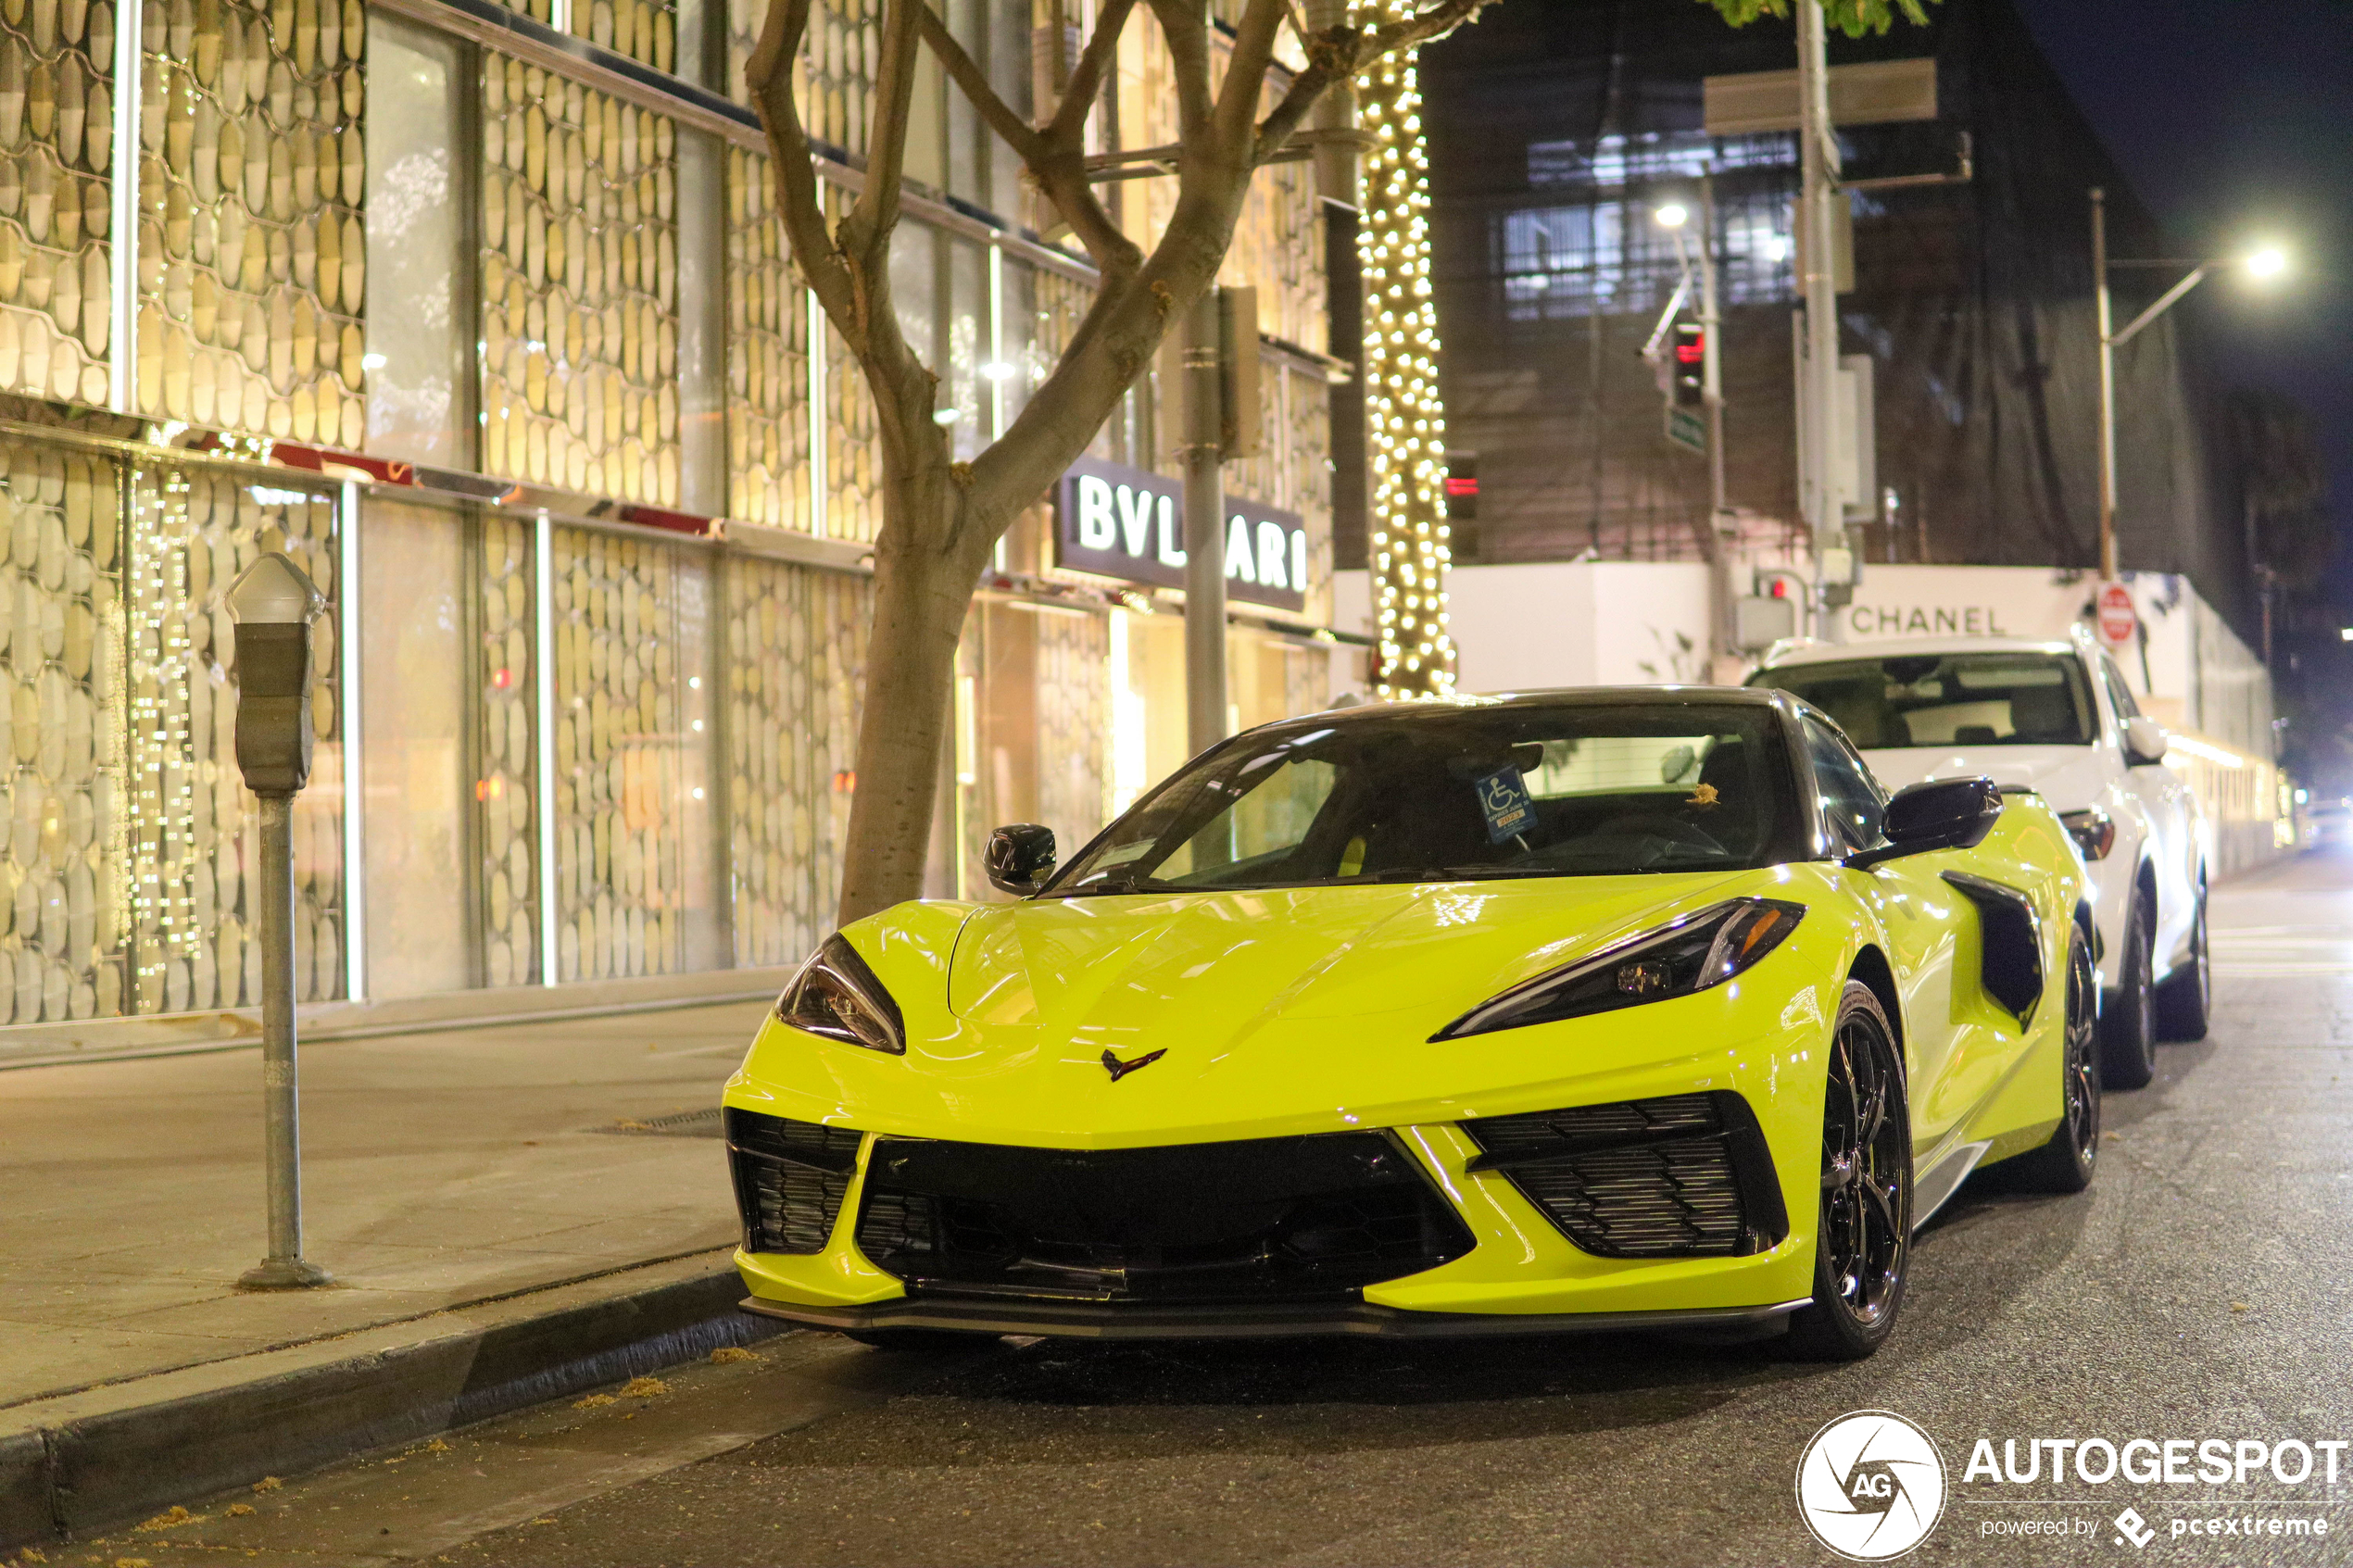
[
  {"x": 2065, "y": 1162},
  {"x": 2128, "y": 1026},
  {"x": 2185, "y": 1000},
  {"x": 1863, "y": 1244}
]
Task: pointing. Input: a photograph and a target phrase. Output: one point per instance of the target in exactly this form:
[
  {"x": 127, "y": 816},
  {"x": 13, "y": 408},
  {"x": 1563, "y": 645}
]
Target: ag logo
[{"x": 1870, "y": 1486}]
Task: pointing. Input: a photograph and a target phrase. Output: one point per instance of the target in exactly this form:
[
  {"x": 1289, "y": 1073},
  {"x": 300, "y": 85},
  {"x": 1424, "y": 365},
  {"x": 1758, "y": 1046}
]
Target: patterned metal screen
[
  {"x": 252, "y": 258},
  {"x": 795, "y": 653},
  {"x": 56, "y": 150},
  {"x": 579, "y": 288}
]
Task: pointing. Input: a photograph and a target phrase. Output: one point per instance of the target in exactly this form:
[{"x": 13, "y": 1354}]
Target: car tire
[
  {"x": 2187, "y": 996},
  {"x": 1863, "y": 1232},
  {"x": 2065, "y": 1162},
  {"x": 2128, "y": 1027}
]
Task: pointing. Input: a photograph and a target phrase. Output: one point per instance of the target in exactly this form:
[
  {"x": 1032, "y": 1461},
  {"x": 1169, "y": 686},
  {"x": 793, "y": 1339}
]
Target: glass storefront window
[
  {"x": 420, "y": 357},
  {"x": 417, "y": 788},
  {"x": 191, "y": 825}
]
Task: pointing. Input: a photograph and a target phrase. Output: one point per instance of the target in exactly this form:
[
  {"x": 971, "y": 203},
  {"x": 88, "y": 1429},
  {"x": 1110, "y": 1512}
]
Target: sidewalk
[{"x": 440, "y": 1170}]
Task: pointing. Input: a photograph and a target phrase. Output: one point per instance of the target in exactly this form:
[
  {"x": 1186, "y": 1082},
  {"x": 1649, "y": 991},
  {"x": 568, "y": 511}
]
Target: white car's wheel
[
  {"x": 2127, "y": 1025},
  {"x": 2187, "y": 996}
]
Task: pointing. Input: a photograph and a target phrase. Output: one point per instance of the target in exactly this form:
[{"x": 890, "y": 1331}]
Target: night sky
[{"x": 2234, "y": 119}]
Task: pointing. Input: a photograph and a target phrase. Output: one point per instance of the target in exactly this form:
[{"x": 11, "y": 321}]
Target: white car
[{"x": 2057, "y": 718}]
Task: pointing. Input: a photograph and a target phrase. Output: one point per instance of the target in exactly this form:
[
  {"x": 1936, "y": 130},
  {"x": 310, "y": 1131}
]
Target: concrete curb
[{"x": 94, "y": 1460}]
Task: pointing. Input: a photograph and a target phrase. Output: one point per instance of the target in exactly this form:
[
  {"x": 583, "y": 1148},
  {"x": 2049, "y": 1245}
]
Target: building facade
[
  {"x": 484, "y": 316},
  {"x": 1558, "y": 130}
]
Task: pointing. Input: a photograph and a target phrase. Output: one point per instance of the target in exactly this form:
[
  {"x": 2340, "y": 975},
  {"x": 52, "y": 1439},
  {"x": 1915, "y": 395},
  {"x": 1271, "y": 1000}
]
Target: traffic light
[{"x": 1687, "y": 370}]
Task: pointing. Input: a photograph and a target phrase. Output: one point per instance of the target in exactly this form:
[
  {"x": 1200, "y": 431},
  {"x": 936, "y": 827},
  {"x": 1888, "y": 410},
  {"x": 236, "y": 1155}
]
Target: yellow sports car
[{"x": 1568, "y": 1010}]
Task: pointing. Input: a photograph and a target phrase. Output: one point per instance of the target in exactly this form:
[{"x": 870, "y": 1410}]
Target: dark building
[{"x": 1557, "y": 127}]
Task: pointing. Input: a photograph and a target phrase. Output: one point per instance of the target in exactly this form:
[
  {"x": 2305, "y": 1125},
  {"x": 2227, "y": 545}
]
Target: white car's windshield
[
  {"x": 1448, "y": 794},
  {"x": 1948, "y": 699}
]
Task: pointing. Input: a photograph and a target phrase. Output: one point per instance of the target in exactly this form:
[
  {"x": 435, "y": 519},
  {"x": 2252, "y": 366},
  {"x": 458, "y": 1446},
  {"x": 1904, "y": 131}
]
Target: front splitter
[{"x": 1089, "y": 1319}]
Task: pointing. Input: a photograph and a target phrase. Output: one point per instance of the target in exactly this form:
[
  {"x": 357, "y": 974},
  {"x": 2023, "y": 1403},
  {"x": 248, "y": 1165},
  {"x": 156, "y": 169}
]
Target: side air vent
[
  {"x": 791, "y": 1178},
  {"x": 1681, "y": 1176},
  {"x": 2010, "y": 958}
]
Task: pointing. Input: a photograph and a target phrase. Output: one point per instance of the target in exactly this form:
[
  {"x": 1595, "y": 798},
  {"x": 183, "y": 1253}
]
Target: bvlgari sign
[{"x": 1124, "y": 522}]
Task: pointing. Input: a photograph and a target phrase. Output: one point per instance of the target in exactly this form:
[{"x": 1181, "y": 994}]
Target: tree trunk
[{"x": 923, "y": 588}]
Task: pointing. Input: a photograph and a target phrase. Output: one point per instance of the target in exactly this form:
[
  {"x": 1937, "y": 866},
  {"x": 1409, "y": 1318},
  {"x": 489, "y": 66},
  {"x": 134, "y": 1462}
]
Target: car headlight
[
  {"x": 1701, "y": 949},
  {"x": 2094, "y": 832},
  {"x": 836, "y": 996}
]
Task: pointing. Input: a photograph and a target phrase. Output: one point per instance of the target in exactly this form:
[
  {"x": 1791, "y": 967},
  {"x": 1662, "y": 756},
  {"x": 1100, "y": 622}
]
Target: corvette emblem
[{"x": 1118, "y": 1069}]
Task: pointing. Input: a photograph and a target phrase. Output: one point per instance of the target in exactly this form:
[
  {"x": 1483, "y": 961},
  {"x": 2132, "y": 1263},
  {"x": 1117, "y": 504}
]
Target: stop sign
[{"x": 2116, "y": 619}]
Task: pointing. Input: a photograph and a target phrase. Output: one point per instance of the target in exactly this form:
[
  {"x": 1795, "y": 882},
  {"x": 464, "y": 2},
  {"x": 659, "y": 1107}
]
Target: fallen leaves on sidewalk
[
  {"x": 172, "y": 1520},
  {"x": 728, "y": 1354},
  {"x": 239, "y": 1509},
  {"x": 593, "y": 1401},
  {"x": 643, "y": 1389},
  {"x": 268, "y": 1484}
]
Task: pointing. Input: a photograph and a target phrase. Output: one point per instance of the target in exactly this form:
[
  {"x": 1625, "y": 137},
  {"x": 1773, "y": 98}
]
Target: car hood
[
  {"x": 1271, "y": 1006},
  {"x": 2070, "y": 777},
  {"x": 1219, "y": 969}
]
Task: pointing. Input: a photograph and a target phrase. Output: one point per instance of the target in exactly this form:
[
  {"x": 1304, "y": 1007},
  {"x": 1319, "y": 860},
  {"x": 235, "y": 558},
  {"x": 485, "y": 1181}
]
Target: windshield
[
  {"x": 1948, "y": 699},
  {"x": 1447, "y": 794}
]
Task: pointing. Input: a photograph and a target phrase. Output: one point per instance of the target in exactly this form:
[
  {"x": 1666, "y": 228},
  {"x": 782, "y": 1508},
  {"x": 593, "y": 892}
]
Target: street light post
[
  {"x": 2268, "y": 262},
  {"x": 275, "y": 603},
  {"x": 1819, "y": 164},
  {"x": 2107, "y": 388}
]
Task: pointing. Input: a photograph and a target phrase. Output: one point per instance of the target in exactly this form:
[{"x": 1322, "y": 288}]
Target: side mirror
[
  {"x": 1940, "y": 814},
  {"x": 1020, "y": 858},
  {"x": 2145, "y": 741}
]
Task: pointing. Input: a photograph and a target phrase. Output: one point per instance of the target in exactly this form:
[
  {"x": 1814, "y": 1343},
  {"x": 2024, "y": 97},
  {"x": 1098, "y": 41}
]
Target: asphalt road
[{"x": 2199, "y": 1291}]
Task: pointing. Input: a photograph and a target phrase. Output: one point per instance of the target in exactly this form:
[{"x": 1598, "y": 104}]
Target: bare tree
[{"x": 941, "y": 518}]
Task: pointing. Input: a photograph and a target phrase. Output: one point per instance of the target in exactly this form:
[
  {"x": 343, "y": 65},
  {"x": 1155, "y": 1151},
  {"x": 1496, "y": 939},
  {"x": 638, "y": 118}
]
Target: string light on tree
[{"x": 1405, "y": 424}]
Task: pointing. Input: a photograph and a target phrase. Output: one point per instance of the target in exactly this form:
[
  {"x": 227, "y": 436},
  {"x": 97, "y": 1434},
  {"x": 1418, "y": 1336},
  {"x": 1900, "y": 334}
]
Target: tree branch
[
  {"x": 1341, "y": 52},
  {"x": 768, "y": 76},
  {"x": 1185, "y": 27},
  {"x": 875, "y": 213},
  {"x": 1087, "y": 77},
  {"x": 1246, "y": 63},
  {"x": 1017, "y": 132}
]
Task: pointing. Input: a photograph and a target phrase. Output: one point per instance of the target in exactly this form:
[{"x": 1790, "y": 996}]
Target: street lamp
[
  {"x": 1672, "y": 215},
  {"x": 2263, "y": 264},
  {"x": 275, "y": 603}
]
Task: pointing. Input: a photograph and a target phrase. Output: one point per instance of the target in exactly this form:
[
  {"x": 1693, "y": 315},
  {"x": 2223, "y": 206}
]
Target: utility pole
[
  {"x": 1719, "y": 533},
  {"x": 1203, "y": 448},
  {"x": 2107, "y": 387},
  {"x": 1817, "y": 150}
]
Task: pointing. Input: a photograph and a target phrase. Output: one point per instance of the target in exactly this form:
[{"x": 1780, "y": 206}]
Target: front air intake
[
  {"x": 1312, "y": 1217},
  {"x": 1681, "y": 1176},
  {"x": 790, "y": 1179}
]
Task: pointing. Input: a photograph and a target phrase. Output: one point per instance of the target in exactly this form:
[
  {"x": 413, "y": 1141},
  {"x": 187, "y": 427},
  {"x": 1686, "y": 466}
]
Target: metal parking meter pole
[
  {"x": 1205, "y": 411},
  {"x": 275, "y": 603}
]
